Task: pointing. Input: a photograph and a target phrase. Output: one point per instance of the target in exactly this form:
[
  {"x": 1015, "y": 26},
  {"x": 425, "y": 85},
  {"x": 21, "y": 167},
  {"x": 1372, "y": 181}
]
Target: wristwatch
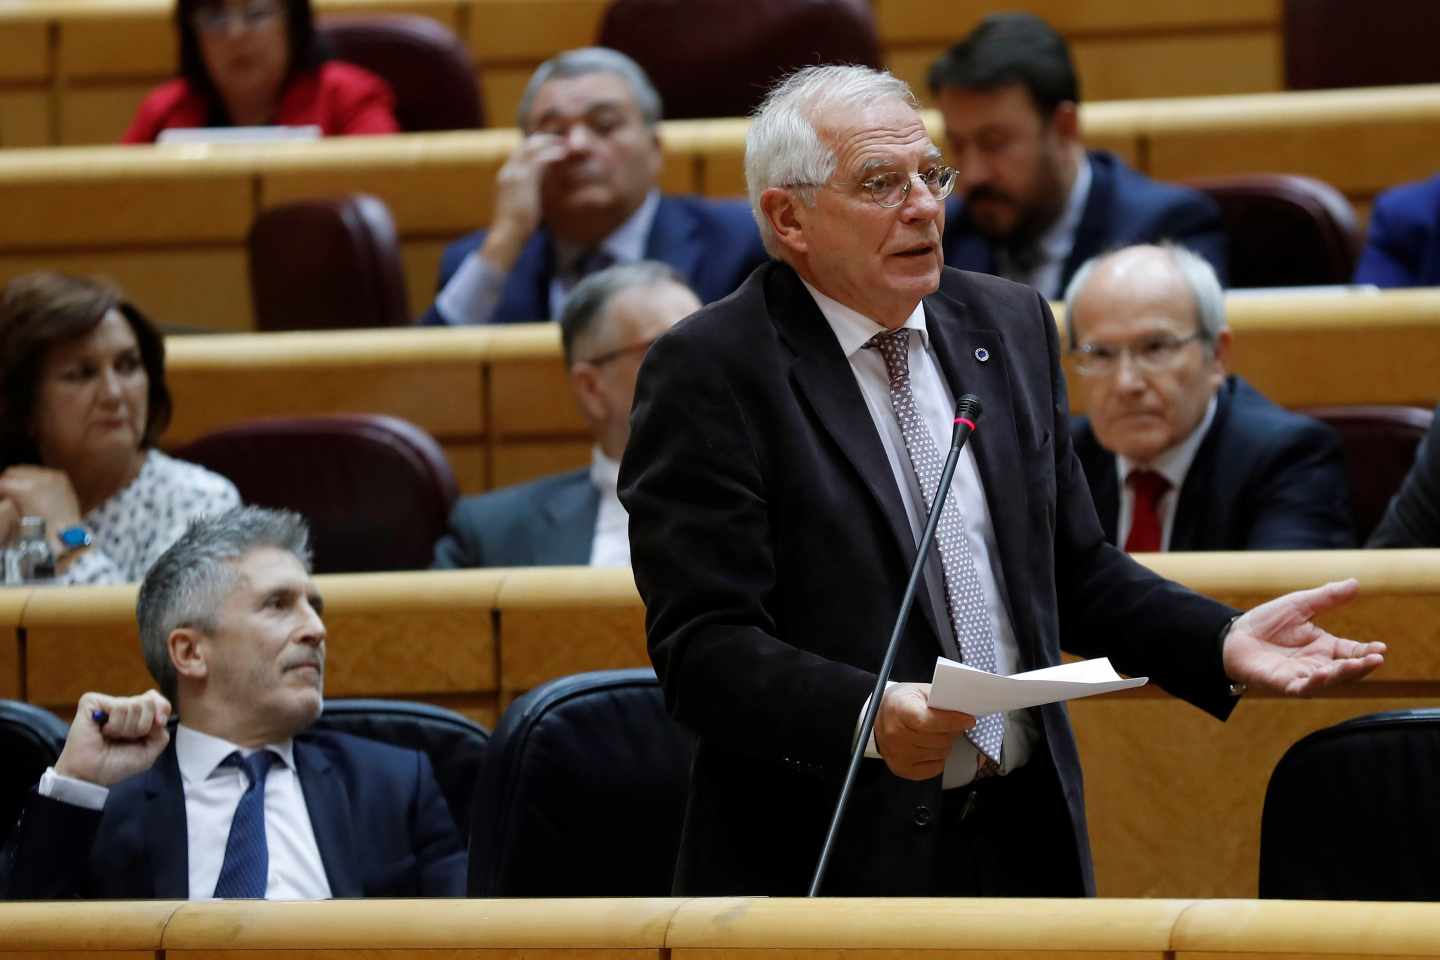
[{"x": 74, "y": 538}]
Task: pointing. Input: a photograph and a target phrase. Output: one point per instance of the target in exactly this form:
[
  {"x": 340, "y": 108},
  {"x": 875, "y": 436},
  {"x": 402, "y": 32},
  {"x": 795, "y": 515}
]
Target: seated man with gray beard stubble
[{"x": 241, "y": 803}]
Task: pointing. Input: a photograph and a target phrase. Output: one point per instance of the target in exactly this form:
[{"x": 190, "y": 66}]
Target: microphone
[{"x": 967, "y": 412}]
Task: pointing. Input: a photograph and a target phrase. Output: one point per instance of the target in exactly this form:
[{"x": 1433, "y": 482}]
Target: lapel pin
[{"x": 982, "y": 354}]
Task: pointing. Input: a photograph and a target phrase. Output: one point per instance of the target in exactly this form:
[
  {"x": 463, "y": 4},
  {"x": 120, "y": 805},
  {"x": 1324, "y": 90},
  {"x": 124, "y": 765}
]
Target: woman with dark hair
[
  {"x": 247, "y": 63},
  {"x": 82, "y": 403}
]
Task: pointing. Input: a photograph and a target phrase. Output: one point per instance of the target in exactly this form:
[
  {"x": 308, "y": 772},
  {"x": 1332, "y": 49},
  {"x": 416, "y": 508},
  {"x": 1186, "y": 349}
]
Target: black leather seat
[
  {"x": 457, "y": 746},
  {"x": 584, "y": 792},
  {"x": 1350, "y": 812},
  {"x": 30, "y": 740},
  {"x": 377, "y": 490}
]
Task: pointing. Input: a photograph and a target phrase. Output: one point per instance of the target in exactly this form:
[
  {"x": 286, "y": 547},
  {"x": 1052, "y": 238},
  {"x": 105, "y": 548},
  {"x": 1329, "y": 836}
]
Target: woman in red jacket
[{"x": 246, "y": 63}]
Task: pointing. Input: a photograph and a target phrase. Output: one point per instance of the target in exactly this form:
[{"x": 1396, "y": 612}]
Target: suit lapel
[
  {"x": 329, "y": 805},
  {"x": 1196, "y": 526},
  {"x": 1094, "y": 232},
  {"x": 996, "y": 444},
  {"x": 1102, "y": 475},
  {"x": 671, "y": 238},
  {"x": 525, "y": 297},
  {"x": 167, "y": 839},
  {"x": 568, "y": 534},
  {"x": 823, "y": 376}
]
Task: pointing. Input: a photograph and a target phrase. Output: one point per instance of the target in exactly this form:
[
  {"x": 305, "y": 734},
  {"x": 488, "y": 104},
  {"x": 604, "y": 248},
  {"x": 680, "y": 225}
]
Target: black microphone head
[{"x": 969, "y": 407}]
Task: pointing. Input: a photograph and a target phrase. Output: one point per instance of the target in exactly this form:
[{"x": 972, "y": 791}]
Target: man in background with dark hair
[
  {"x": 575, "y": 518},
  {"x": 1030, "y": 203}
]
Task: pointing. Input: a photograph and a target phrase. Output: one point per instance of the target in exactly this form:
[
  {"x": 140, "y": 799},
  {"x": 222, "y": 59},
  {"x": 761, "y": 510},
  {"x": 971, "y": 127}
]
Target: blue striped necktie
[{"x": 247, "y": 855}]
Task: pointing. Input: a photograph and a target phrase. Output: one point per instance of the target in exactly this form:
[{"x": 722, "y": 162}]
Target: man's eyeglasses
[
  {"x": 601, "y": 359},
  {"x": 217, "y": 18},
  {"x": 1149, "y": 355},
  {"x": 893, "y": 188}
]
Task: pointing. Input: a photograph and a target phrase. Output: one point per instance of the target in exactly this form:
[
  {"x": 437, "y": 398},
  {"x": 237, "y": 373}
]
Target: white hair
[
  {"x": 1195, "y": 272},
  {"x": 785, "y": 148}
]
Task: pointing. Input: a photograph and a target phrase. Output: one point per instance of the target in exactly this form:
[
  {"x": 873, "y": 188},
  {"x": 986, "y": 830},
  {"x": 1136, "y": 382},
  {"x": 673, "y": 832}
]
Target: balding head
[{"x": 1147, "y": 325}]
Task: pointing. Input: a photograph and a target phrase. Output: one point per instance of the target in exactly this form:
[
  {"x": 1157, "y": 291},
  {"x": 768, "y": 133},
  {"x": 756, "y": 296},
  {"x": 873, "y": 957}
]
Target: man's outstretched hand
[{"x": 1276, "y": 647}]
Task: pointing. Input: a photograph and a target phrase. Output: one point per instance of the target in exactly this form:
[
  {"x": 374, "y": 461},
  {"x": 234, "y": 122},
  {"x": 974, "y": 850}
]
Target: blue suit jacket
[
  {"x": 546, "y": 522},
  {"x": 380, "y": 821},
  {"x": 1263, "y": 479},
  {"x": 1403, "y": 247},
  {"x": 713, "y": 244},
  {"x": 1124, "y": 207}
]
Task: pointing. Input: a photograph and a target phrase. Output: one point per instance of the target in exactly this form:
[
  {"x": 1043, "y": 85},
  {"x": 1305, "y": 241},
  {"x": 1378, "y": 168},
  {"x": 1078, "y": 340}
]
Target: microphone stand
[{"x": 967, "y": 411}]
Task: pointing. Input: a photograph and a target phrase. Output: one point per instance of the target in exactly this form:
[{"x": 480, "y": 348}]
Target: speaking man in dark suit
[
  {"x": 784, "y": 444},
  {"x": 579, "y": 193},
  {"x": 1180, "y": 456},
  {"x": 241, "y": 802},
  {"x": 576, "y": 518},
  {"x": 1030, "y": 202}
]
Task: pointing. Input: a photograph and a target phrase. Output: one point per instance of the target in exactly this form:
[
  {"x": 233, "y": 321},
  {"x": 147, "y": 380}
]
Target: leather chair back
[
  {"x": 1284, "y": 230},
  {"x": 1379, "y": 444},
  {"x": 584, "y": 792},
  {"x": 717, "y": 58},
  {"x": 1342, "y": 43},
  {"x": 456, "y": 745},
  {"x": 327, "y": 264},
  {"x": 430, "y": 71},
  {"x": 30, "y": 740},
  {"x": 1350, "y": 812},
  {"x": 377, "y": 490}
]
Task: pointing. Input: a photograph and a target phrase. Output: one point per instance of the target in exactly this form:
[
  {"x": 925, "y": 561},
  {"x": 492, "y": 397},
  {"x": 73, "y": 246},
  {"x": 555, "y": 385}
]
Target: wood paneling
[
  {"x": 548, "y": 629},
  {"x": 24, "y": 49},
  {"x": 100, "y": 113},
  {"x": 82, "y": 639},
  {"x": 912, "y": 20},
  {"x": 98, "y": 926},
  {"x": 12, "y": 606},
  {"x": 421, "y": 261},
  {"x": 139, "y": 45},
  {"x": 24, "y": 118},
  {"x": 1179, "y": 66},
  {"x": 505, "y": 31},
  {"x": 516, "y": 461}
]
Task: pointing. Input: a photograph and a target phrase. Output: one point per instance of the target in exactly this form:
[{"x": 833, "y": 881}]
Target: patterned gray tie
[{"x": 963, "y": 594}]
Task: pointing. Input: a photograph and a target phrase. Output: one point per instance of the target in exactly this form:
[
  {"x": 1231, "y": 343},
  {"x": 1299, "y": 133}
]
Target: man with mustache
[
  {"x": 785, "y": 445},
  {"x": 580, "y": 193},
  {"x": 1179, "y": 455},
  {"x": 241, "y": 802},
  {"x": 1030, "y": 203}
]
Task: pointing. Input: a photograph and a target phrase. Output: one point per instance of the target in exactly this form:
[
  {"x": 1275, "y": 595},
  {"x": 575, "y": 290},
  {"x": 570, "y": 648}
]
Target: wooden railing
[
  {"x": 708, "y": 929},
  {"x": 1174, "y": 797}
]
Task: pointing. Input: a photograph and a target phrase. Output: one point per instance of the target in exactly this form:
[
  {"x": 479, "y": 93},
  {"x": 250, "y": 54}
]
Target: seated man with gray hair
[
  {"x": 576, "y": 518},
  {"x": 579, "y": 193},
  {"x": 1179, "y": 455},
  {"x": 241, "y": 802}
]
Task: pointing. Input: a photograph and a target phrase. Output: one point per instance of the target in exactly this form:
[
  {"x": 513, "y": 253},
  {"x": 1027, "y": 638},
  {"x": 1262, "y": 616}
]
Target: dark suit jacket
[
  {"x": 1263, "y": 479},
  {"x": 1413, "y": 517},
  {"x": 713, "y": 244},
  {"x": 771, "y": 547},
  {"x": 546, "y": 522},
  {"x": 1124, "y": 207},
  {"x": 1403, "y": 246},
  {"x": 380, "y": 821}
]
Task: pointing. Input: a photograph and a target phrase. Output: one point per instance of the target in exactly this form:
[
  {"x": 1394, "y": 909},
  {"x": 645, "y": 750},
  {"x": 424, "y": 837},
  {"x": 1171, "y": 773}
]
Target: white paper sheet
[{"x": 959, "y": 687}]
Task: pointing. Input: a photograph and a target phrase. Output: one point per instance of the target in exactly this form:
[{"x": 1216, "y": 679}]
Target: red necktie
[{"x": 1148, "y": 487}]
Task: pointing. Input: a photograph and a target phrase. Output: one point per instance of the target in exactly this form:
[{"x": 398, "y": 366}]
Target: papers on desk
[{"x": 958, "y": 687}]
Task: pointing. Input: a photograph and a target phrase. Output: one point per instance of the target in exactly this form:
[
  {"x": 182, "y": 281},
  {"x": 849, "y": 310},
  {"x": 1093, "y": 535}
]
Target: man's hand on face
[
  {"x": 517, "y": 198},
  {"x": 913, "y": 737},
  {"x": 126, "y": 743}
]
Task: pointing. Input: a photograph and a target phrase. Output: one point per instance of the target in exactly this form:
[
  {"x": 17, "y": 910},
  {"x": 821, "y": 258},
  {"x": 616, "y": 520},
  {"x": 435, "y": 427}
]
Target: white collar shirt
[
  {"x": 611, "y": 544},
  {"x": 212, "y": 792},
  {"x": 936, "y": 403},
  {"x": 1173, "y": 465}
]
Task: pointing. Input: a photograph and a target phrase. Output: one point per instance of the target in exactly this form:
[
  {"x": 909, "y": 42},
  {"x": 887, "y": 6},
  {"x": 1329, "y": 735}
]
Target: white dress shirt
[
  {"x": 611, "y": 545},
  {"x": 1173, "y": 465},
  {"x": 1055, "y": 244},
  {"x": 474, "y": 289},
  {"x": 212, "y": 793},
  {"x": 936, "y": 404}
]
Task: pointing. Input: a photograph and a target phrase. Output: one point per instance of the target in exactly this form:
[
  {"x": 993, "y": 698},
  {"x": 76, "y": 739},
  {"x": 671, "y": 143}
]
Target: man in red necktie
[{"x": 1180, "y": 456}]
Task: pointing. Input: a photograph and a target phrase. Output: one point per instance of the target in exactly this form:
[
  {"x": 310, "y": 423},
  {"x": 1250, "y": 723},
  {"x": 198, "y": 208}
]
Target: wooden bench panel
[
  {"x": 24, "y": 118},
  {"x": 24, "y": 49},
  {"x": 516, "y": 461},
  {"x": 94, "y": 114},
  {"x": 139, "y": 45},
  {"x": 920, "y": 20},
  {"x": 82, "y": 639},
  {"x": 12, "y": 607}
]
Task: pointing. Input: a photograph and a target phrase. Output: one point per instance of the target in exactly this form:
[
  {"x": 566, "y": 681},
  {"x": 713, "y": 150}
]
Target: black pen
[{"x": 100, "y": 717}]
